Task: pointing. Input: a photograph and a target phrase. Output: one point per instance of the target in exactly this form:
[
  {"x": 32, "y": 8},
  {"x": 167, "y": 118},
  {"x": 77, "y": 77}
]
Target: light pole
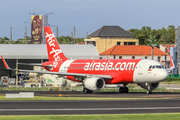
[{"x": 25, "y": 38}]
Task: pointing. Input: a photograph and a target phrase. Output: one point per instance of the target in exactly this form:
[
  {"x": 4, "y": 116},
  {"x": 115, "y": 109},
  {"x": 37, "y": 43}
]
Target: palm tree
[{"x": 152, "y": 40}]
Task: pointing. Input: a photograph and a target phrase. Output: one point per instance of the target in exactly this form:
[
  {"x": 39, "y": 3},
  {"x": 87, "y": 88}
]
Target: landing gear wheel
[
  {"x": 126, "y": 90},
  {"x": 90, "y": 91},
  {"x": 85, "y": 91},
  {"x": 121, "y": 90},
  {"x": 149, "y": 92}
]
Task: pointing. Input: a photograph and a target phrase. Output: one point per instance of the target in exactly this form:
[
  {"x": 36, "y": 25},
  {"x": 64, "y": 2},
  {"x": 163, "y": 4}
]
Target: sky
[{"x": 87, "y": 15}]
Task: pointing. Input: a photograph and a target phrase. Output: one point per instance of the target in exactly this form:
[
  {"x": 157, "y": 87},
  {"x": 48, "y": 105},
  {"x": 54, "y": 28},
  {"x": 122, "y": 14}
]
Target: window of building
[
  {"x": 176, "y": 55},
  {"x": 120, "y": 57},
  {"x": 159, "y": 59},
  {"x": 114, "y": 56},
  {"x": 131, "y": 43},
  {"x": 118, "y": 43},
  {"x": 133, "y": 57},
  {"x": 165, "y": 57},
  {"x": 145, "y": 57}
]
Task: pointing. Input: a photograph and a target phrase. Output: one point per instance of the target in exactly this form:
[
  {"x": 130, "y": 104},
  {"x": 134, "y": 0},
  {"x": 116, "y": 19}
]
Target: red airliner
[{"x": 95, "y": 73}]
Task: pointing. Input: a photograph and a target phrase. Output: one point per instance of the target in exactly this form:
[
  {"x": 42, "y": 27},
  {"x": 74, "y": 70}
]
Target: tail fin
[
  {"x": 171, "y": 62},
  {"x": 53, "y": 49}
]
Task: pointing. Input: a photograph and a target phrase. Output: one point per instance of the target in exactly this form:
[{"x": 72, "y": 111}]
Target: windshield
[{"x": 156, "y": 67}]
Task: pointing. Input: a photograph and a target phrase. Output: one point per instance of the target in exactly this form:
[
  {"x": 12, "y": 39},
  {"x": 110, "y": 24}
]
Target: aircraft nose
[{"x": 164, "y": 75}]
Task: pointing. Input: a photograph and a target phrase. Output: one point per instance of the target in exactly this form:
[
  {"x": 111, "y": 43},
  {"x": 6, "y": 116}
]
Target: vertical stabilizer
[
  {"x": 53, "y": 49},
  {"x": 171, "y": 62}
]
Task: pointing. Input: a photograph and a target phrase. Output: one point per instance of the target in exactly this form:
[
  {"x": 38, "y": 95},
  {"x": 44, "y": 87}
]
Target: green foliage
[
  {"x": 68, "y": 40},
  {"x": 6, "y": 40},
  {"x": 163, "y": 36},
  {"x": 151, "y": 41}
]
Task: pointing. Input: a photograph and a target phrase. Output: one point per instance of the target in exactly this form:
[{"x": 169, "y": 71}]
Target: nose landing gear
[{"x": 149, "y": 90}]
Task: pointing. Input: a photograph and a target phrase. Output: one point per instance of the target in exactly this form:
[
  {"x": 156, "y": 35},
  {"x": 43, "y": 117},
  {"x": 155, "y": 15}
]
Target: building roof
[
  {"x": 132, "y": 50},
  {"x": 39, "y": 51},
  {"x": 168, "y": 45},
  {"x": 111, "y": 31}
]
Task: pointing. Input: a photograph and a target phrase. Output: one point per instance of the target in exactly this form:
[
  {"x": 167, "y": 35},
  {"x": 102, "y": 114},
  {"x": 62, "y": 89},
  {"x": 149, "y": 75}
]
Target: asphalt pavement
[{"x": 89, "y": 107}]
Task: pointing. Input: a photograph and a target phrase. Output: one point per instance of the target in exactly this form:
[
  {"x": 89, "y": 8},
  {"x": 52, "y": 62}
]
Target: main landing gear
[
  {"x": 123, "y": 89},
  {"x": 85, "y": 91}
]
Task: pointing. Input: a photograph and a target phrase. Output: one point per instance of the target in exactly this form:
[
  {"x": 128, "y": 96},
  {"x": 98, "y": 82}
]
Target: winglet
[
  {"x": 5, "y": 64},
  {"x": 171, "y": 62}
]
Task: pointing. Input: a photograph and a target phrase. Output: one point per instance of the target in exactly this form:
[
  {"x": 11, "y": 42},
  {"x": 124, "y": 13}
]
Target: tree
[
  {"x": 163, "y": 35},
  {"x": 152, "y": 42},
  {"x": 68, "y": 40}
]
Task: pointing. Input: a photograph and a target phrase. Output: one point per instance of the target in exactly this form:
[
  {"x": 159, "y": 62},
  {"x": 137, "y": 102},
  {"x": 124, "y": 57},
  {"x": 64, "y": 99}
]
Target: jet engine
[
  {"x": 153, "y": 85},
  {"x": 94, "y": 83}
]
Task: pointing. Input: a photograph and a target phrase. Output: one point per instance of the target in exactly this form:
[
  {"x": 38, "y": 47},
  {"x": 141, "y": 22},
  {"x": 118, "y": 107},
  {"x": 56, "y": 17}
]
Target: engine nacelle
[
  {"x": 153, "y": 86},
  {"x": 94, "y": 83}
]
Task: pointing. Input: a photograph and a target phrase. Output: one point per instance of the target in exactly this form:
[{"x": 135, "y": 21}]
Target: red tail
[
  {"x": 171, "y": 62},
  {"x": 53, "y": 49}
]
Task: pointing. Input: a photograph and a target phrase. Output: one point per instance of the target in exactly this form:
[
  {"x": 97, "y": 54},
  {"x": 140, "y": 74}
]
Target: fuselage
[{"x": 123, "y": 71}]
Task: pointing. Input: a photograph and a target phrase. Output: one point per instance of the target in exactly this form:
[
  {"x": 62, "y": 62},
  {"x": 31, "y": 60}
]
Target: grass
[
  {"x": 170, "y": 80},
  {"x": 152, "y": 116}
]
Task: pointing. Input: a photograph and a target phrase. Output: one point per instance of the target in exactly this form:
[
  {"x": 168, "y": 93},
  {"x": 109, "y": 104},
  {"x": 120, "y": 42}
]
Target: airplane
[{"x": 95, "y": 73}]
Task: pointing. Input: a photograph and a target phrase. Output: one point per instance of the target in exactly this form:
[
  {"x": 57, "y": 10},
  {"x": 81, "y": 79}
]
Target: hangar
[{"x": 37, "y": 53}]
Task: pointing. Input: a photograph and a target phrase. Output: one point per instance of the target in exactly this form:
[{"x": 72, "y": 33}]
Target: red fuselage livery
[{"x": 95, "y": 73}]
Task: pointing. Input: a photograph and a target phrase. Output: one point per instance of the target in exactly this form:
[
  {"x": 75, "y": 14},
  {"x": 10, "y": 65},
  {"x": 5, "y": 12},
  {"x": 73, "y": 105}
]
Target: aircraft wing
[
  {"x": 57, "y": 73},
  {"x": 33, "y": 64}
]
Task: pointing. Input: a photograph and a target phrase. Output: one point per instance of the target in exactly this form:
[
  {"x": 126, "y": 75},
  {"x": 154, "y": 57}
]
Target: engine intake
[
  {"x": 153, "y": 86},
  {"x": 94, "y": 83}
]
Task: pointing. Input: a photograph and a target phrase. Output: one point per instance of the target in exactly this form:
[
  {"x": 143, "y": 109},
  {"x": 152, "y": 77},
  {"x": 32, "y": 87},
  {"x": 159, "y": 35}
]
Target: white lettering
[
  {"x": 56, "y": 55},
  {"x": 109, "y": 66},
  {"x": 50, "y": 39}
]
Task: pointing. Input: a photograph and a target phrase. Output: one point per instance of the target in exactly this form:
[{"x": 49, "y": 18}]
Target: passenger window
[{"x": 153, "y": 66}]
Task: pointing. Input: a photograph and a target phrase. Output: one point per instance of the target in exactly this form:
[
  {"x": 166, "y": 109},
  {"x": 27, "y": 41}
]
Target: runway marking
[{"x": 79, "y": 109}]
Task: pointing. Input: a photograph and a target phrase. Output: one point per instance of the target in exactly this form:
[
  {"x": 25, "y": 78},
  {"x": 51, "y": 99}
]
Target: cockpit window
[
  {"x": 150, "y": 67},
  {"x": 153, "y": 66},
  {"x": 158, "y": 66}
]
